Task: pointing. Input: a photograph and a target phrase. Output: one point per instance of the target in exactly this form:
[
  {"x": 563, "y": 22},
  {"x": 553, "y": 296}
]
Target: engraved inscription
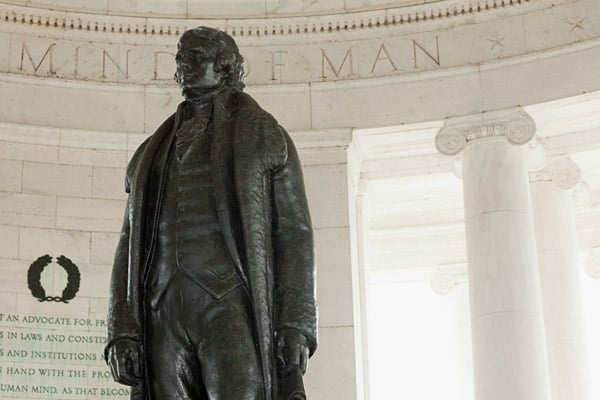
[
  {"x": 165, "y": 57},
  {"x": 76, "y": 63},
  {"x": 277, "y": 64},
  {"x": 427, "y": 53},
  {"x": 54, "y": 357},
  {"x": 48, "y": 54},
  {"x": 325, "y": 60},
  {"x": 294, "y": 64},
  {"x": 383, "y": 55},
  {"x": 123, "y": 70}
]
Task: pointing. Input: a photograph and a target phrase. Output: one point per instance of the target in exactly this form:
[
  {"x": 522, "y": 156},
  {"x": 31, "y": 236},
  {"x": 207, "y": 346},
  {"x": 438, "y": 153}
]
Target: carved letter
[
  {"x": 125, "y": 72},
  {"x": 386, "y": 56},
  {"x": 336, "y": 72},
  {"x": 434, "y": 59},
  {"x": 156, "y": 55},
  {"x": 76, "y": 63},
  {"x": 48, "y": 53},
  {"x": 274, "y": 75}
]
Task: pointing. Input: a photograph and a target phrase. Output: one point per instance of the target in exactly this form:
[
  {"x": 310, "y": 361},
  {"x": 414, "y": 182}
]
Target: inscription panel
[
  {"x": 54, "y": 357},
  {"x": 52, "y": 349},
  {"x": 87, "y": 61}
]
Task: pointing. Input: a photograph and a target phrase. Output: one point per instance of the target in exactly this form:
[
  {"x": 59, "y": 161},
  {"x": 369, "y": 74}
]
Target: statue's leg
[
  {"x": 172, "y": 365},
  {"x": 226, "y": 350}
]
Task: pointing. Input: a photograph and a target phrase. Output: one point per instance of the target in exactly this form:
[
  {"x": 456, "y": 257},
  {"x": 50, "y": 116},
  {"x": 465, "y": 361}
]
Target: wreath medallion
[{"x": 34, "y": 275}]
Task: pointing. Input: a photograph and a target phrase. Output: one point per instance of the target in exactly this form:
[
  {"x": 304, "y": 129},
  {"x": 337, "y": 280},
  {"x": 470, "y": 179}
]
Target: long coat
[{"x": 264, "y": 218}]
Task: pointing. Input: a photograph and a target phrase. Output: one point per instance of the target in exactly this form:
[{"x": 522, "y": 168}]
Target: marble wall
[
  {"x": 61, "y": 195},
  {"x": 82, "y": 85}
]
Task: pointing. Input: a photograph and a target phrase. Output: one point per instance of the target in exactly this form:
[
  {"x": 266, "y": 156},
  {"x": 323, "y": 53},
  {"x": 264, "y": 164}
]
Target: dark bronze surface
[{"x": 212, "y": 293}]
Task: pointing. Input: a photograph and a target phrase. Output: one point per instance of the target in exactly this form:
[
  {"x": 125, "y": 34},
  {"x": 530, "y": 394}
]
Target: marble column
[
  {"x": 451, "y": 281},
  {"x": 509, "y": 345},
  {"x": 559, "y": 278}
]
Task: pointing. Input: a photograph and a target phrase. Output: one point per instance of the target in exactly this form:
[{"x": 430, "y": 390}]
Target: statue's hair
[{"x": 228, "y": 59}]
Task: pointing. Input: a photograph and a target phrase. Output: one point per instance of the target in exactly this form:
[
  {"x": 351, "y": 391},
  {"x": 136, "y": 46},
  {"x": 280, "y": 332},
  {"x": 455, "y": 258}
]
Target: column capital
[
  {"x": 446, "y": 277},
  {"x": 592, "y": 263},
  {"x": 562, "y": 171},
  {"x": 514, "y": 124}
]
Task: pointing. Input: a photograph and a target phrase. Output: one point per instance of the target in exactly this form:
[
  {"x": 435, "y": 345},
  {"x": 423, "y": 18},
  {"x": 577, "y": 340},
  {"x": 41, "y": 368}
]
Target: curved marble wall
[
  {"x": 81, "y": 86},
  {"x": 324, "y": 67}
]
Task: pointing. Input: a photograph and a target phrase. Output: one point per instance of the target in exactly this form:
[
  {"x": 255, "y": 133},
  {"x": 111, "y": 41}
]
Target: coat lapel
[
  {"x": 139, "y": 213},
  {"x": 144, "y": 201},
  {"x": 252, "y": 189},
  {"x": 222, "y": 164},
  {"x": 139, "y": 210}
]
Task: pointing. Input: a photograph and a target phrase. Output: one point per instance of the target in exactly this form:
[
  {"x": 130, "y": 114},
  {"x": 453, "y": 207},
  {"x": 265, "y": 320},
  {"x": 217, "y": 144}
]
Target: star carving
[
  {"x": 497, "y": 42},
  {"x": 576, "y": 23}
]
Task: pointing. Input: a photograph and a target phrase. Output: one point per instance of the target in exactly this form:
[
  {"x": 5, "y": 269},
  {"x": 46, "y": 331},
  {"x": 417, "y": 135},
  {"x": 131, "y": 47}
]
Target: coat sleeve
[
  {"x": 293, "y": 248},
  {"x": 120, "y": 323}
]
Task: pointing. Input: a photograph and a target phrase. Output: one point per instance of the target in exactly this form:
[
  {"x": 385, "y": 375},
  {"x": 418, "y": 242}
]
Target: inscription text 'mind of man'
[
  {"x": 212, "y": 293},
  {"x": 147, "y": 65}
]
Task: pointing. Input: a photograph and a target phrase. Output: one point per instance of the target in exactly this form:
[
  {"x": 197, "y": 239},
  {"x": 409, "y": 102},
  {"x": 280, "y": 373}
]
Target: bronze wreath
[{"x": 34, "y": 279}]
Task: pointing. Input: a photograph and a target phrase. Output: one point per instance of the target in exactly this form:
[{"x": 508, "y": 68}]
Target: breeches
[{"x": 199, "y": 348}]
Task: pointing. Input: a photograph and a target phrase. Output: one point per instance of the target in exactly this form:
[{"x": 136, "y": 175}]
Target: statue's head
[{"x": 207, "y": 59}]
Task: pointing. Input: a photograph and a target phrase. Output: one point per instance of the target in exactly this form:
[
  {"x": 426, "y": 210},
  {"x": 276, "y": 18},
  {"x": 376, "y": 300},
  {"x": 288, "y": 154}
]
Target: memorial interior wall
[{"x": 82, "y": 86}]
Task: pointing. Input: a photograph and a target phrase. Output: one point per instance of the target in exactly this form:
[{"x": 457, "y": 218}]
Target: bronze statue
[{"x": 213, "y": 288}]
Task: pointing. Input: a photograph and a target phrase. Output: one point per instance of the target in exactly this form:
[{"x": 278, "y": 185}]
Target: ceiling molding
[{"x": 121, "y": 23}]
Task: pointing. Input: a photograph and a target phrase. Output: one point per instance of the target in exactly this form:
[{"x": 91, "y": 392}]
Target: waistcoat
[{"x": 190, "y": 240}]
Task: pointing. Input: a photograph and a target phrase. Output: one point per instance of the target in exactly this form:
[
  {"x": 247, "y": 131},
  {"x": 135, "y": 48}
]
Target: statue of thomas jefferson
[{"x": 213, "y": 287}]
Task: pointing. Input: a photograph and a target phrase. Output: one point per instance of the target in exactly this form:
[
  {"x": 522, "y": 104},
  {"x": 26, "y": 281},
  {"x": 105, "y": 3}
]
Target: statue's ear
[{"x": 225, "y": 63}]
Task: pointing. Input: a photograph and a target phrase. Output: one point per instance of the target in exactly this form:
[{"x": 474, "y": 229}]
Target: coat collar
[{"x": 225, "y": 103}]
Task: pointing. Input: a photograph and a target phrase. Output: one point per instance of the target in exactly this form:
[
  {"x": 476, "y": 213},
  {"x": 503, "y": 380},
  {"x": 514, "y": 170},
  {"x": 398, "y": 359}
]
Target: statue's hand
[
  {"x": 125, "y": 361},
  {"x": 292, "y": 349}
]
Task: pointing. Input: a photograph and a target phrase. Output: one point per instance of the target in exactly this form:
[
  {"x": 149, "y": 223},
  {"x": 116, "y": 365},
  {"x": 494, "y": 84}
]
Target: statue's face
[{"x": 195, "y": 72}]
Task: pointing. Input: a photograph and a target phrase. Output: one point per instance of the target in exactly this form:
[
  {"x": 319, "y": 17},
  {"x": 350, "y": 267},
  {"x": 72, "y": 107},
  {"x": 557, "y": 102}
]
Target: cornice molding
[
  {"x": 514, "y": 124},
  {"x": 257, "y": 27},
  {"x": 322, "y": 139}
]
